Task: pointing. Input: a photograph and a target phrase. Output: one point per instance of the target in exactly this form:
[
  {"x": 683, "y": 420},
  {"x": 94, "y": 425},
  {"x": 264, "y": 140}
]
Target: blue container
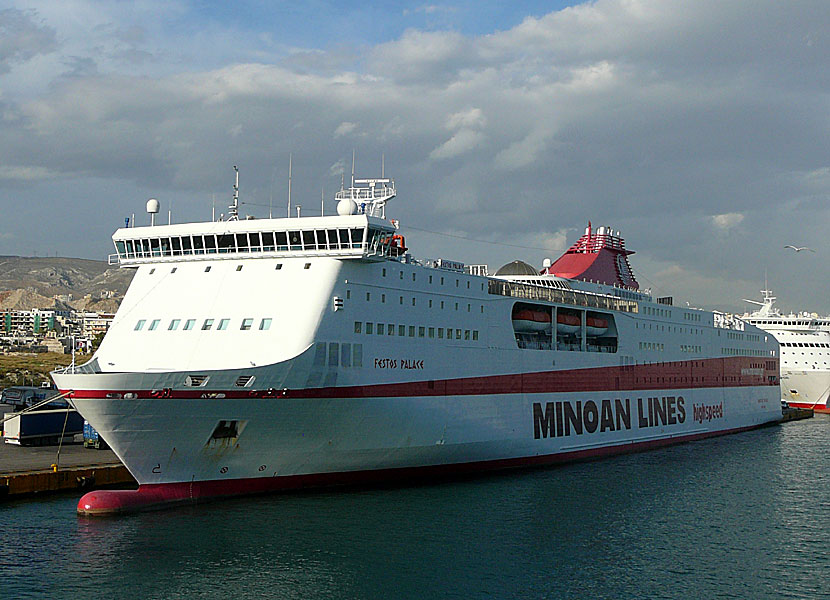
[{"x": 91, "y": 437}]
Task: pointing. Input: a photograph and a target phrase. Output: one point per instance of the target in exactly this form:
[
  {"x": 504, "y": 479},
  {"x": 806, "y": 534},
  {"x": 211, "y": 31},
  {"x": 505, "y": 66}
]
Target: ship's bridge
[{"x": 355, "y": 236}]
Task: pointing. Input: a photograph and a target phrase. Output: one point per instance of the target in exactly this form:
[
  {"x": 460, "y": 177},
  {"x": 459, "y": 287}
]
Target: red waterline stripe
[
  {"x": 708, "y": 373},
  {"x": 149, "y": 496},
  {"x": 819, "y": 408}
]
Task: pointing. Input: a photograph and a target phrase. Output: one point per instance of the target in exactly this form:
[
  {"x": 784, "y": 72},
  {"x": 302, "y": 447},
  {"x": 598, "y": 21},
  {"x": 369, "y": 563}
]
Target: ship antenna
[
  {"x": 352, "y": 167},
  {"x": 289, "y": 184},
  {"x": 382, "y": 166},
  {"x": 322, "y": 200},
  {"x": 233, "y": 209}
]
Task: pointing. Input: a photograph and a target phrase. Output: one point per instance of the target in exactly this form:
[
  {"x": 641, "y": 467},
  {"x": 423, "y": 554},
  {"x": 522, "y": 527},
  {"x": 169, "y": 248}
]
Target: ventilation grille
[
  {"x": 244, "y": 381},
  {"x": 196, "y": 380}
]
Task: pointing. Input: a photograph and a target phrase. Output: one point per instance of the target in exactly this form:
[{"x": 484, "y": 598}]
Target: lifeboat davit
[
  {"x": 596, "y": 326},
  {"x": 527, "y": 320},
  {"x": 568, "y": 324}
]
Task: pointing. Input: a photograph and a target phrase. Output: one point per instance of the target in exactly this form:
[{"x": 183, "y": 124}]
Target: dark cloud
[
  {"x": 698, "y": 129},
  {"x": 22, "y": 37}
]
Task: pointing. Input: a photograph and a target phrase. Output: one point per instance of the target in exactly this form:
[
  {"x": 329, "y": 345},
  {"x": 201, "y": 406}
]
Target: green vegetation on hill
[{"x": 32, "y": 369}]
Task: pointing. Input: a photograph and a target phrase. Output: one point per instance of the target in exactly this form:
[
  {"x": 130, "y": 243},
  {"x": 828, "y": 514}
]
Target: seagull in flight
[{"x": 799, "y": 248}]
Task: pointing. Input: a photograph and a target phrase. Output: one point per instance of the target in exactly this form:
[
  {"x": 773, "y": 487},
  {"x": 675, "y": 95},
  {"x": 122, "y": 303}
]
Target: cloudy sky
[{"x": 699, "y": 129}]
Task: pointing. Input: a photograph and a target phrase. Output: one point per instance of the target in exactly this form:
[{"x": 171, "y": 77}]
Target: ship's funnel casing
[{"x": 600, "y": 257}]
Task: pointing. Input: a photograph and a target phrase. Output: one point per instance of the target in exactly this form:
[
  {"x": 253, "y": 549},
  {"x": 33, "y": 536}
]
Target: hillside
[{"x": 27, "y": 283}]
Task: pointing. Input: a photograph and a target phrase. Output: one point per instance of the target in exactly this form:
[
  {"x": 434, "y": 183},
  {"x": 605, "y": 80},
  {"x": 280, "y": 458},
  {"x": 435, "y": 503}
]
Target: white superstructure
[
  {"x": 261, "y": 354},
  {"x": 804, "y": 339}
]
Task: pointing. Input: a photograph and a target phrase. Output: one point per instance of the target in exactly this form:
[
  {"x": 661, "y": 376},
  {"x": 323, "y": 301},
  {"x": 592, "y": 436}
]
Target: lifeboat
[
  {"x": 595, "y": 326},
  {"x": 568, "y": 324},
  {"x": 527, "y": 320}
]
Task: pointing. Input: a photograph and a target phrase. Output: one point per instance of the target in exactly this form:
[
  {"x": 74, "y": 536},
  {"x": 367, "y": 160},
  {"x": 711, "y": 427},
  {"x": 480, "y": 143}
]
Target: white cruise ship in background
[
  {"x": 251, "y": 355},
  {"x": 805, "y": 352}
]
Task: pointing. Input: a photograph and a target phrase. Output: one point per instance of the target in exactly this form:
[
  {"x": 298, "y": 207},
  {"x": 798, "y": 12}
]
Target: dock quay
[
  {"x": 29, "y": 470},
  {"x": 26, "y": 470},
  {"x": 796, "y": 414}
]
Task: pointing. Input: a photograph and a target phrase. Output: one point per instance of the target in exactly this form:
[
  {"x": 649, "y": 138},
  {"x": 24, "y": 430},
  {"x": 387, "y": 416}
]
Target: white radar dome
[
  {"x": 152, "y": 205},
  {"x": 346, "y": 207},
  {"x": 546, "y": 263}
]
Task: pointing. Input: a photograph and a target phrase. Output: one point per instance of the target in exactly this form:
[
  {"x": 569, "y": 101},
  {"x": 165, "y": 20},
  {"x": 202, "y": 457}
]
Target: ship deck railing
[{"x": 500, "y": 287}]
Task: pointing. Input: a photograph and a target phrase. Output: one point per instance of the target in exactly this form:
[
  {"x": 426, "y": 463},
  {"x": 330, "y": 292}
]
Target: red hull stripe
[
  {"x": 819, "y": 408},
  {"x": 710, "y": 373},
  {"x": 149, "y": 496}
]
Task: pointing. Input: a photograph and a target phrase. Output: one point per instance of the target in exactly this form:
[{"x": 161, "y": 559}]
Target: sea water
[{"x": 740, "y": 516}]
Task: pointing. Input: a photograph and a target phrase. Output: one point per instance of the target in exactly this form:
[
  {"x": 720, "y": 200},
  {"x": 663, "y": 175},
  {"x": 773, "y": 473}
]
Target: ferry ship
[
  {"x": 804, "y": 340},
  {"x": 252, "y": 355}
]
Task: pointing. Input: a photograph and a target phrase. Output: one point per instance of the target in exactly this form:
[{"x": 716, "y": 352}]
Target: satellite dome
[
  {"x": 346, "y": 207},
  {"x": 517, "y": 267},
  {"x": 152, "y": 206}
]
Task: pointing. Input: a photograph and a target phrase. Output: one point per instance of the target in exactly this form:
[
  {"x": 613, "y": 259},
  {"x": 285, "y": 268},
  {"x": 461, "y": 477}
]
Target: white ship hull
[
  {"x": 806, "y": 389},
  {"x": 258, "y": 355}
]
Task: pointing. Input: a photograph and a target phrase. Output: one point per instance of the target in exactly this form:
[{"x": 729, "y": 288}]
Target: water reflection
[{"x": 722, "y": 517}]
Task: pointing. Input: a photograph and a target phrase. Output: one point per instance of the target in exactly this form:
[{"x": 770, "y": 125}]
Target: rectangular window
[
  {"x": 440, "y": 333},
  {"x": 223, "y": 324},
  {"x": 357, "y": 355},
  {"x": 458, "y": 334},
  {"x": 210, "y": 244},
  {"x": 207, "y": 324},
  {"x": 411, "y": 331},
  {"x": 357, "y": 326},
  {"x": 390, "y": 329},
  {"x": 174, "y": 324},
  {"x": 380, "y": 328},
  {"x": 320, "y": 354},
  {"x": 246, "y": 324},
  {"x": 268, "y": 241},
  {"x": 431, "y": 332},
  {"x": 198, "y": 245},
  {"x": 254, "y": 242},
  {"x": 370, "y": 328},
  {"x": 475, "y": 335},
  {"x": 401, "y": 330},
  {"x": 187, "y": 246},
  {"x": 140, "y": 325},
  {"x": 188, "y": 325},
  {"x": 334, "y": 351},
  {"x": 281, "y": 238},
  {"x": 154, "y": 325},
  {"x": 241, "y": 242},
  {"x": 309, "y": 243},
  {"x": 345, "y": 355},
  {"x": 265, "y": 324},
  {"x": 467, "y": 334},
  {"x": 421, "y": 331}
]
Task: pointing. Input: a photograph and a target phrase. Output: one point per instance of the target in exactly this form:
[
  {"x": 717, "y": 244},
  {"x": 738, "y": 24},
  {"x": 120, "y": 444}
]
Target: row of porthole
[
  {"x": 207, "y": 324},
  {"x": 457, "y": 281},
  {"x": 370, "y": 328},
  {"x": 238, "y": 268}
]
